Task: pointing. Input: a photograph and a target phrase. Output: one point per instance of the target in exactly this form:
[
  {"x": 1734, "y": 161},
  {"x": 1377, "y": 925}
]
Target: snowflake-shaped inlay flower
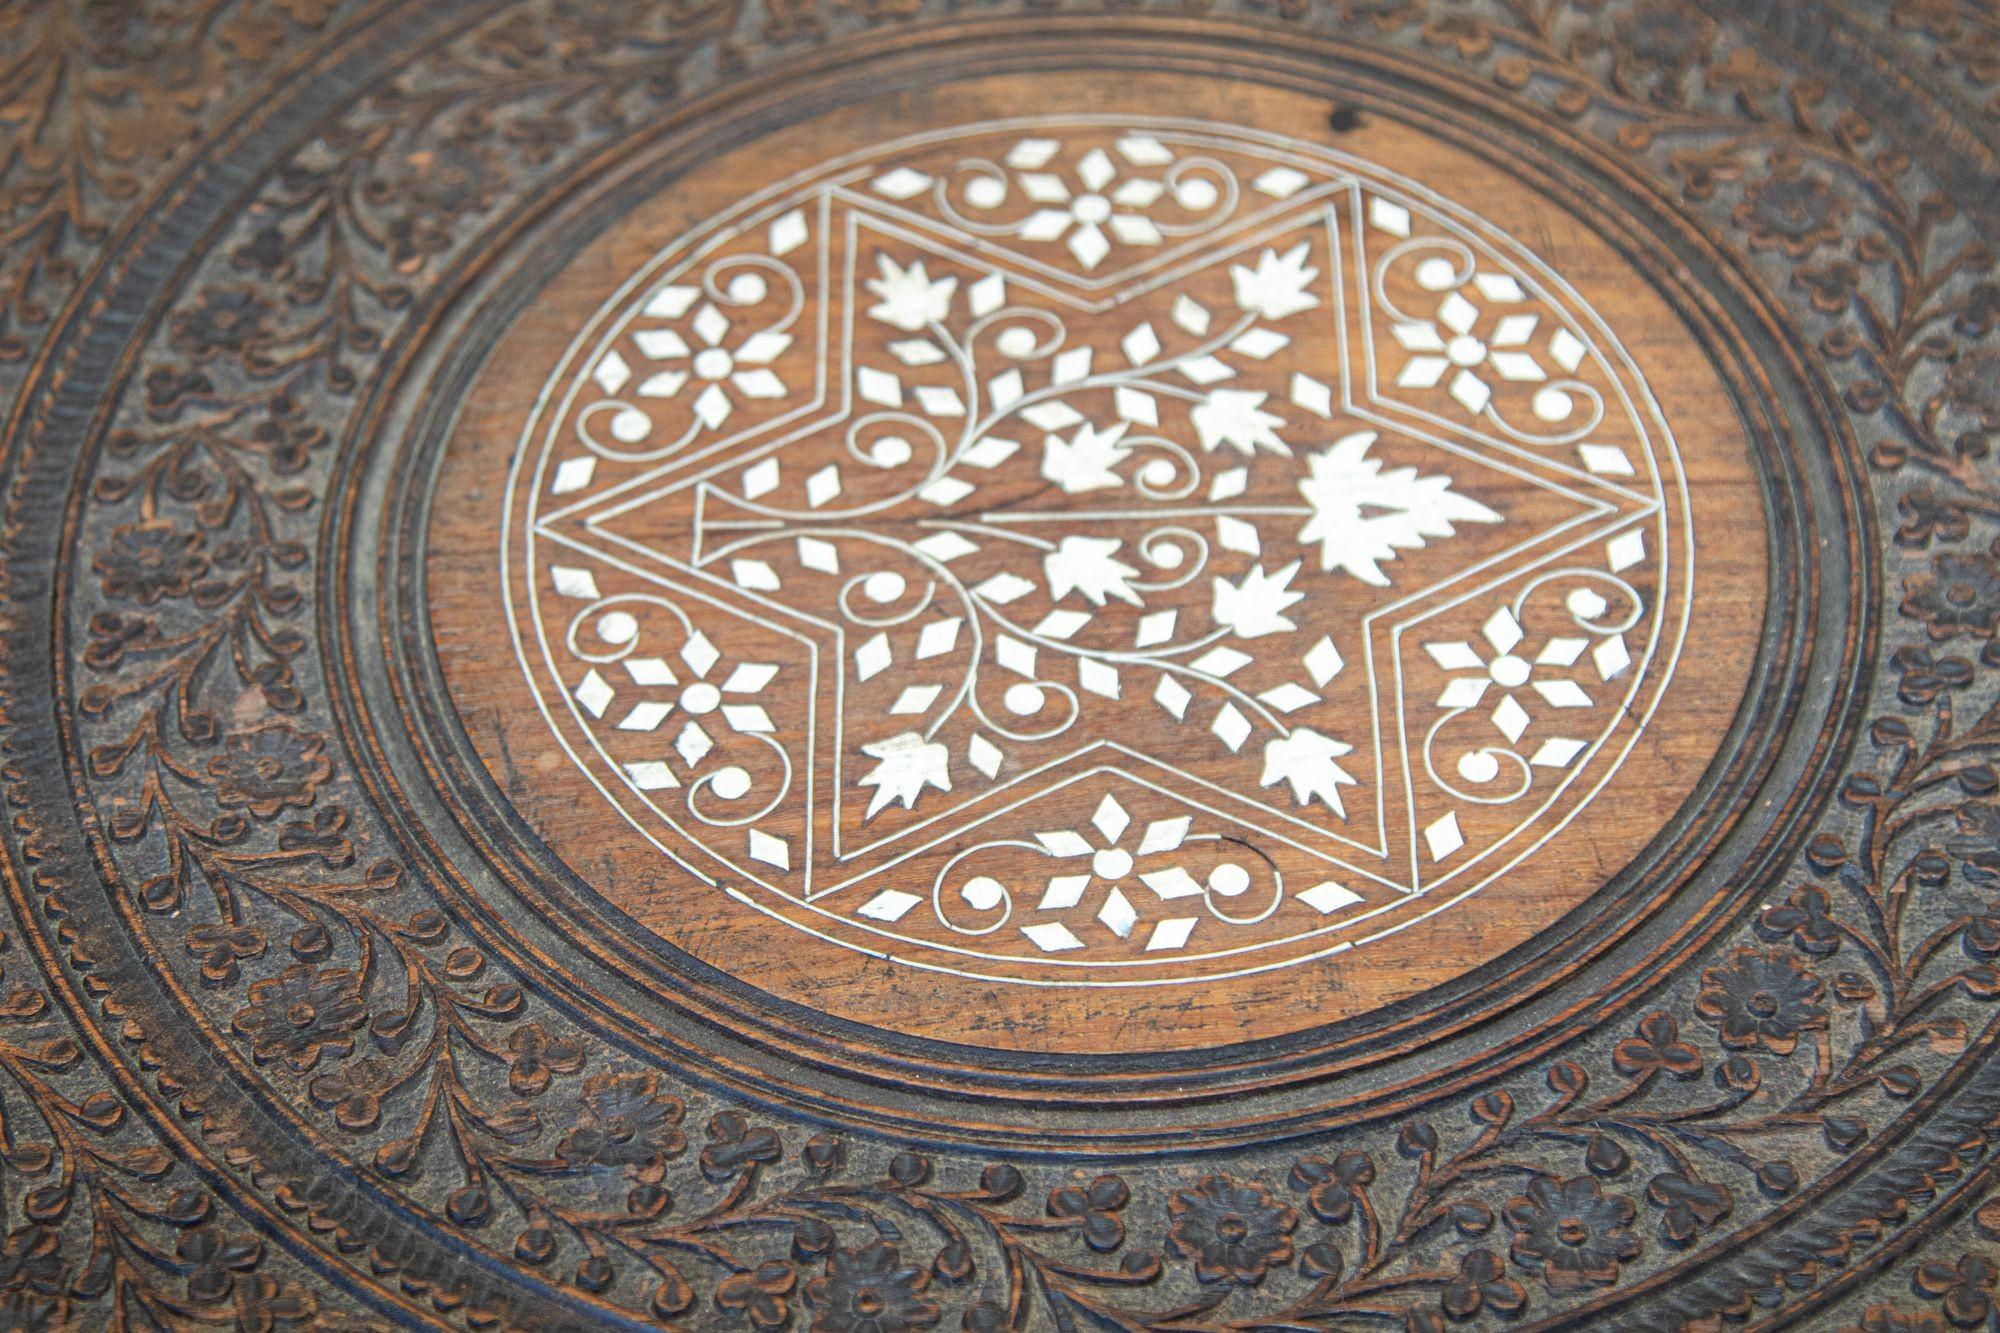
[
  {"x": 1501, "y": 666},
  {"x": 1115, "y": 864},
  {"x": 700, "y": 351},
  {"x": 1467, "y": 340},
  {"x": 693, "y": 687},
  {"x": 1098, "y": 196}
]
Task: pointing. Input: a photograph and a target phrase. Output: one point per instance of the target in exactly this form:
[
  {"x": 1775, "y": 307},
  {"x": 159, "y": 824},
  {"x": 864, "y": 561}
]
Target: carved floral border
[{"x": 268, "y": 892}]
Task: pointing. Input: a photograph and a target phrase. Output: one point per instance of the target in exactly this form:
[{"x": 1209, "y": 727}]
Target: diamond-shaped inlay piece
[
  {"x": 651, "y": 775},
  {"x": 1085, "y": 551},
  {"x": 770, "y": 850},
  {"x": 1443, "y": 837},
  {"x": 1117, "y": 914},
  {"x": 1231, "y": 727},
  {"x": 594, "y": 694},
  {"x": 573, "y": 475},
  {"x": 693, "y": 744},
  {"x": 1329, "y": 897},
  {"x": 1052, "y": 936},
  {"x": 1111, "y": 819}
]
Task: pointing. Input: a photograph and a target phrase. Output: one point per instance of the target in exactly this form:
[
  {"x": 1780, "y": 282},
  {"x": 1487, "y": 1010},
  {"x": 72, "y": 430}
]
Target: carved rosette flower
[
  {"x": 627, "y": 1121},
  {"x": 1233, "y": 1231},
  {"x": 1791, "y": 210},
  {"x": 1959, "y": 594},
  {"x": 869, "y": 1290},
  {"x": 1761, "y": 997},
  {"x": 430, "y": 189},
  {"x": 1572, "y": 1233},
  {"x": 300, "y": 1014},
  {"x": 270, "y": 769},
  {"x": 150, "y": 562},
  {"x": 1664, "y": 39}
]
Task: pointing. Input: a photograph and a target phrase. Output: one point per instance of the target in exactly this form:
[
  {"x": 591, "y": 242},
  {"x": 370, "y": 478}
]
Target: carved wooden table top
[{"x": 877, "y": 665}]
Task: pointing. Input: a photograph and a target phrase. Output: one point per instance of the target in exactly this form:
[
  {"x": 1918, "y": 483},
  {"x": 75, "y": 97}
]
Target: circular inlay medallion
[{"x": 995, "y": 580}]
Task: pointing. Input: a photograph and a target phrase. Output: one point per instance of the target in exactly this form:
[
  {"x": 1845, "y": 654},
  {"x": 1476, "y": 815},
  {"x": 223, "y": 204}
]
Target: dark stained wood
[{"x": 413, "y": 921}]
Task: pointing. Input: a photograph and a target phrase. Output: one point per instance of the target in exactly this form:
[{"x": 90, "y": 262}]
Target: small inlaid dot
[
  {"x": 1478, "y": 766},
  {"x": 883, "y": 586},
  {"x": 1112, "y": 863},
  {"x": 1090, "y": 209},
  {"x": 986, "y": 192},
  {"x": 1197, "y": 195},
  {"x": 1553, "y": 405},
  {"x": 1434, "y": 275},
  {"x": 1229, "y": 879},
  {"x": 983, "y": 892},
  {"x": 630, "y": 425},
  {"x": 1023, "y": 699},
  {"x": 1016, "y": 342},
  {"x": 1586, "y": 603},
  {"x": 891, "y": 451}
]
